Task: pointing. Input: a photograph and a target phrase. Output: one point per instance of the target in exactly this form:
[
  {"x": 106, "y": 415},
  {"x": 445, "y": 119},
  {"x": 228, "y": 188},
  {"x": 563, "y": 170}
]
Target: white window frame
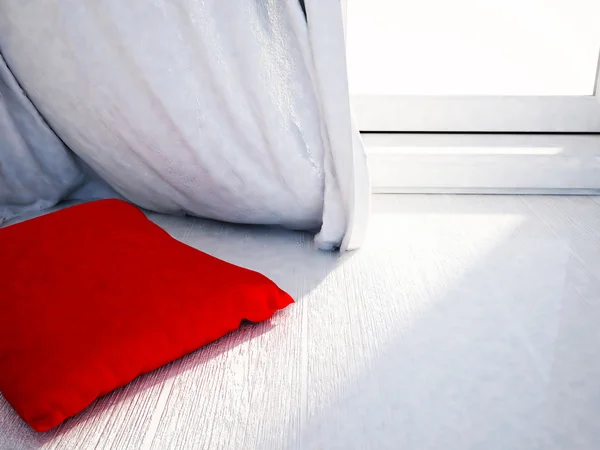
[
  {"x": 542, "y": 144},
  {"x": 487, "y": 114}
]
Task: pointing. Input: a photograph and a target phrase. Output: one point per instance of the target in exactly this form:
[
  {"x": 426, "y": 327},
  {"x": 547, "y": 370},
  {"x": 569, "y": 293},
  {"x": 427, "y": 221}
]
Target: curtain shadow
[{"x": 287, "y": 257}]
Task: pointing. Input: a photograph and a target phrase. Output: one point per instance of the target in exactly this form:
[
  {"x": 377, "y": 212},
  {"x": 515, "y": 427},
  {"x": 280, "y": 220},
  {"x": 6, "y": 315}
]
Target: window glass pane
[{"x": 473, "y": 47}]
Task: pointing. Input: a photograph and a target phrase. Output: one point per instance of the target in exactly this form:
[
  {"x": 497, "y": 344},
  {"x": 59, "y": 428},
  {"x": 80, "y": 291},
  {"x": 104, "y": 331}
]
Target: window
[{"x": 504, "y": 94}]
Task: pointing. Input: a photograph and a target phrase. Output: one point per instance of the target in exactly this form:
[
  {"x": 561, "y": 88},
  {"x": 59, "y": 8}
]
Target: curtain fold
[
  {"x": 236, "y": 111},
  {"x": 36, "y": 169},
  {"x": 327, "y": 37}
]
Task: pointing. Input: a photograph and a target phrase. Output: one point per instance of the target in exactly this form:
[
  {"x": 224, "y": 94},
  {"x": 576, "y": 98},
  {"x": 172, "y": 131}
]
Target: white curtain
[
  {"x": 36, "y": 169},
  {"x": 236, "y": 110}
]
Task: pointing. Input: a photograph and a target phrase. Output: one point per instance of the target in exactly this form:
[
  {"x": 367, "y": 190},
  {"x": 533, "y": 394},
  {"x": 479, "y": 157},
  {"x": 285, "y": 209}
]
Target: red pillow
[{"x": 94, "y": 295}]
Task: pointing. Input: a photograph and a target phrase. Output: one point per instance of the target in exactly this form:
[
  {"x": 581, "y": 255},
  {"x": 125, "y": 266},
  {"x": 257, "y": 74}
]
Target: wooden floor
[{"x": 466, "y": 322}]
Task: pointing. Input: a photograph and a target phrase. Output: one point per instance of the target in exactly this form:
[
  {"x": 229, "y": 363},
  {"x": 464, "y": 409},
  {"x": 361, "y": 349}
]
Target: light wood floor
[{"x": 465, "y": 322}]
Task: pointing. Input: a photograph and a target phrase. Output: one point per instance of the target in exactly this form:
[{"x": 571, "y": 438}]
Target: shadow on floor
[{"x": 489, "y": 337}]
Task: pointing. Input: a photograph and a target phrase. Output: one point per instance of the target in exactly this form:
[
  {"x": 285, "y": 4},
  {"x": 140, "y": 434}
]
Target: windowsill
[{"x": 484, "y": 163}]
